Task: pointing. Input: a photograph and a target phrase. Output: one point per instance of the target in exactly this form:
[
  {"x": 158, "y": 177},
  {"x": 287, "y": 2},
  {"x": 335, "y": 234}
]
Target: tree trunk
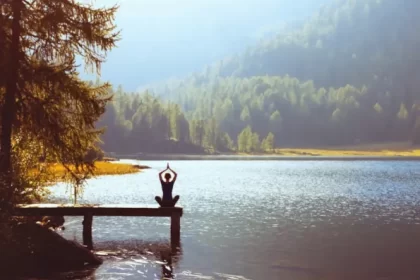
[{"x": 9, "y": 108}]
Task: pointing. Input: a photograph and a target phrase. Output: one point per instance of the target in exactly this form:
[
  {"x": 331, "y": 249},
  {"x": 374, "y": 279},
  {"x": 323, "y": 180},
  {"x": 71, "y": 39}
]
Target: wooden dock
[{"x": 90, "y": 210}]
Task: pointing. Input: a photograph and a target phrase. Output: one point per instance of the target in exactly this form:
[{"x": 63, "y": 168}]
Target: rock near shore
[{"x": 36, "y": 249}]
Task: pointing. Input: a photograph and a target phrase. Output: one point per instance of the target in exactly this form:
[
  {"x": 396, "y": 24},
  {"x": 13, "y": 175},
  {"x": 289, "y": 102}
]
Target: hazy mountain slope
[
  {"x": 350, "y": 75},
  {"x": 350, "y": 42},
  {"x": 165, "y": 38}
]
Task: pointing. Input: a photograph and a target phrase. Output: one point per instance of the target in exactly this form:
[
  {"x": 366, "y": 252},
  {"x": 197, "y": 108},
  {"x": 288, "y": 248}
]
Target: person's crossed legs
[{"x": 167, "y": 203}]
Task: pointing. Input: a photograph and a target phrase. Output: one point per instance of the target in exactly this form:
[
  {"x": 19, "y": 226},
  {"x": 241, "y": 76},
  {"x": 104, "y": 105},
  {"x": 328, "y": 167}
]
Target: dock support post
[
  {"x": 87, "y": 230},
  {"x": 175, "y": 229}
]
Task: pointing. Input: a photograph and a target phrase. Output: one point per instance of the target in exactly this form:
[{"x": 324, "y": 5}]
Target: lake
[{"x": 261, "y": 220}]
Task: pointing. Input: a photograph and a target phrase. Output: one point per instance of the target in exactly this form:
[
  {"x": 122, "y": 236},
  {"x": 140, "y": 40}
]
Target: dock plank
[{"x": 96, "y": 210}]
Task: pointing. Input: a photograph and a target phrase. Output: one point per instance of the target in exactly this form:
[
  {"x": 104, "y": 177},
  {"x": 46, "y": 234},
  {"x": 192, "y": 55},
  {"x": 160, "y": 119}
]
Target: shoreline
[
  {"x": 270, "y": 157},
  {"x": 398, "y": 151}
]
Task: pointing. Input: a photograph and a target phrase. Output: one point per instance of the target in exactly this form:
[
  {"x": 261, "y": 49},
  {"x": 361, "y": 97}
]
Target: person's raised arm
[
  {"x": 160, "y": 174},
  {"x": 175, "y": 174}
]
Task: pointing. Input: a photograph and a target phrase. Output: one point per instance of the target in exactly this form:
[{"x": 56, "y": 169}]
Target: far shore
[
  {"x": 399, "y": 151},
  {"x": 271, "y": 157},
  {"x": 274, "y": 157}
]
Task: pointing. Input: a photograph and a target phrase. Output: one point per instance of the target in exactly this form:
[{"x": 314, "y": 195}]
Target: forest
[{"x": 348, "y": 75}]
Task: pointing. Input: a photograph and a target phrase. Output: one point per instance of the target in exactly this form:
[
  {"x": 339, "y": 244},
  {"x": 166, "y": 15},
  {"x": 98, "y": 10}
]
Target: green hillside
[{"x": 349, "y": 75}]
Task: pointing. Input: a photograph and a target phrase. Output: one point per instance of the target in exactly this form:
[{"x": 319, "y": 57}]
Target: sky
[{"x": 166, "y": 38}]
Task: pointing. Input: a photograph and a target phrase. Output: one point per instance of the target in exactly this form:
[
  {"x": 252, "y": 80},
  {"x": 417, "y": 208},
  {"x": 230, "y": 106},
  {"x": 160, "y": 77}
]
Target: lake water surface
[{"x": 262, "y": 220}]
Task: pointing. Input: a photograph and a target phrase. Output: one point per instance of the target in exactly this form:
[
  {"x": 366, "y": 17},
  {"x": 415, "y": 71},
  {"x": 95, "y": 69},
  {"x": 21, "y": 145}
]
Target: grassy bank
[
  {"x": 395, "y": 149},
  {"x": 346, "y": 152},
  {"x": 101, "y": 168}
]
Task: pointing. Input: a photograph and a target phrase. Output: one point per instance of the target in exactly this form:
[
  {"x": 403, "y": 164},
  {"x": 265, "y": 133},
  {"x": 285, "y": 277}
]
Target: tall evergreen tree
[{"x": 44, "y": 102}]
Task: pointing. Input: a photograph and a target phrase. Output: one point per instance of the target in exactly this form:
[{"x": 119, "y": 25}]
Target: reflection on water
[
  {"x": 263, "y": 220},
  {"x": 131, "y": 260}
]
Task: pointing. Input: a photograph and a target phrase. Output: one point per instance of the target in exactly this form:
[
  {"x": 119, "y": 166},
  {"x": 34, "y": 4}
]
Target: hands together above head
[{"x": 168, "y": 168}]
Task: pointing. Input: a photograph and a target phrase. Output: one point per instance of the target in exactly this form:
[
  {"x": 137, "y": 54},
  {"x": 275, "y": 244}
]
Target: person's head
[{"x": 168, "y": 177}]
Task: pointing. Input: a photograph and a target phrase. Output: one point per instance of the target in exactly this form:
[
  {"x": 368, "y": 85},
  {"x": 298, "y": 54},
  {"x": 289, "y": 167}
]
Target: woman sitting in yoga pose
[{"x": 167, "y": 182}]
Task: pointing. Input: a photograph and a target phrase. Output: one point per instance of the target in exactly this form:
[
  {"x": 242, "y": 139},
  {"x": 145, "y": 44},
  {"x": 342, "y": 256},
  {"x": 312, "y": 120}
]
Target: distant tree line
[
  {"x": 295, "y": 113},
  {"x": 143, "y": 123},
  {"x": 252, "y": 115}
]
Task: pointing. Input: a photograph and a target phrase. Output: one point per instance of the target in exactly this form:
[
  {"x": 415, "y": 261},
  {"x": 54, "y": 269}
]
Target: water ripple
[{"x": 264, "y": 220}]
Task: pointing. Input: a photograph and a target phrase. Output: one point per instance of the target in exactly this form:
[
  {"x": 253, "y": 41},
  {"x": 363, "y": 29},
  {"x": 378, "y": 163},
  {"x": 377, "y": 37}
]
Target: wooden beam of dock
[
  {"x": 96, "y": 210},
  {"x": 90, "y": 210}
]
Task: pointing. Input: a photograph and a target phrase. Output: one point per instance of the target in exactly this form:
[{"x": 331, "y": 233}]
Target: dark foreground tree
[{"x": 45, "y": 107}]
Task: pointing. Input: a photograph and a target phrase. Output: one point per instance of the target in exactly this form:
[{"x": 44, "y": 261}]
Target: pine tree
[
  {"x": 267, "y": 144},
  {"x": 245, "y": 115},
  {"x": 255, "y": 142},
  {"x": 245, "y": 140},
  {"x": 227, "y": 142},
  {"x": 174, "y": 116},
  {"x": 402, "y": 113},
  {"x": 44, "y": 102}
]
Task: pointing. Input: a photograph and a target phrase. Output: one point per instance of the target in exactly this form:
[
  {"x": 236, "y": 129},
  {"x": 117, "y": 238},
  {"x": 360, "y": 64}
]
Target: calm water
[{"x": 262, "y": 220}]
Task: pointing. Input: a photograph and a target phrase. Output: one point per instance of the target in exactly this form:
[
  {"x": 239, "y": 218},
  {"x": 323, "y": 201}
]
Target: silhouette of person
[{"x": 167, "y": 182}]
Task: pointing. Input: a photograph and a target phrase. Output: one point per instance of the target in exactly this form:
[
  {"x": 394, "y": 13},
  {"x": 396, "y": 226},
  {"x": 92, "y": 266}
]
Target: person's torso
[{"x": 167, "y": 190}]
